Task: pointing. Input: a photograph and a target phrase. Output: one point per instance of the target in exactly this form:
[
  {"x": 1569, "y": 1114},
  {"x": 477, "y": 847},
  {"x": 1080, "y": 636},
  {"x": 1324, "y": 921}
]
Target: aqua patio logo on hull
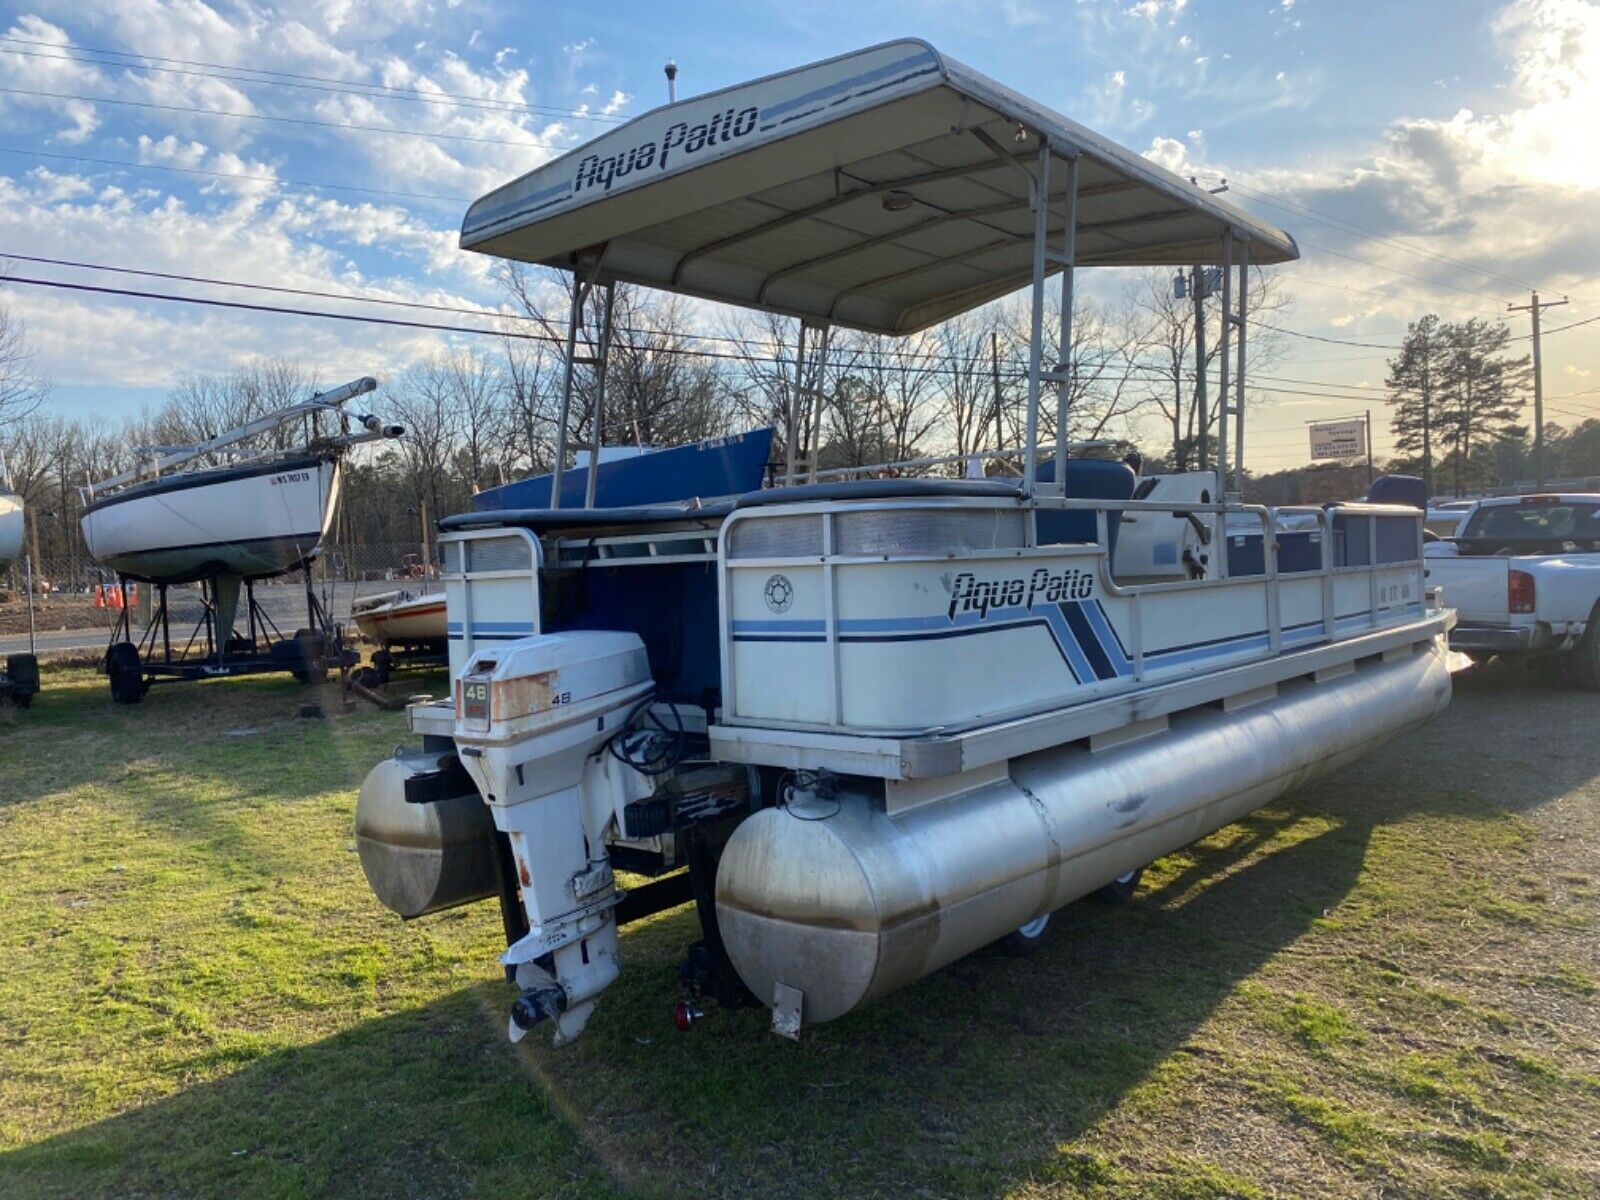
[
  {"x": 596, "y": 171},
  {"x": 1044, "y": 586}
]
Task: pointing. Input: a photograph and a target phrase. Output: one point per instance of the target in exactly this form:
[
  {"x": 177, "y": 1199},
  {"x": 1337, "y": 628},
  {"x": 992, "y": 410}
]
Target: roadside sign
[{"x": 1338, "y": 439}]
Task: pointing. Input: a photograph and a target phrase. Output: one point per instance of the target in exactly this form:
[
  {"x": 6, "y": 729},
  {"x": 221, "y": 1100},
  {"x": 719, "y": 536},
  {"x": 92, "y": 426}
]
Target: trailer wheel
[
  {"x": 1020, "y": 943},
  {"x": 1121, "y": 889},
  {"x": 310, "y": 656},
  {"x": 125, "y": 673},
  {"x": 383, "y": 664}
]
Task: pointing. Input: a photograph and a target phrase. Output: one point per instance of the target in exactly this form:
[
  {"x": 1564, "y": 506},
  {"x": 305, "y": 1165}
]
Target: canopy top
[{"x": 887, "y": 189}]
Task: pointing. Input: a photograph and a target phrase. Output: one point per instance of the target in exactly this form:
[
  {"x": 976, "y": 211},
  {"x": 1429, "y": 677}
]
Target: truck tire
[{"x": 1583, "y": 660}]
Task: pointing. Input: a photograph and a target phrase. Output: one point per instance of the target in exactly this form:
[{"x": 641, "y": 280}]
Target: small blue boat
[{"x": 725, "y": 466}]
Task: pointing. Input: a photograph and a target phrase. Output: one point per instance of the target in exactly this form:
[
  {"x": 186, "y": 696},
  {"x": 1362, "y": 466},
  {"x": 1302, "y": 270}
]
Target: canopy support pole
[
  {"x": 1223, "y": 398},
  {"x": 1064, "y": 372},
  {"x": 792, "y": 421},
  {"x": 602, "y": 359},
  {"x": 817, "y": 370},
  {"x": 582, "y": 289},
  {"x": 1238, "y": 381},
  {"x": 580, "y": 293},
  {"x": 1041, "y": 229}
]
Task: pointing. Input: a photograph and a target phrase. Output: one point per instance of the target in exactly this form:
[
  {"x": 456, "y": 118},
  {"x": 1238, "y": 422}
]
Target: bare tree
[
  {"x": 476, "y": 394},
  {"x": 21, "y": 389},
  {"x": 1163, "y": 349},
  {"x": 423, "y": 402}
]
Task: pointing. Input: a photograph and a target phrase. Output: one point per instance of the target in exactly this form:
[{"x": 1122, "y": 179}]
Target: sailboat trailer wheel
[{"x": 125, "y": 673}]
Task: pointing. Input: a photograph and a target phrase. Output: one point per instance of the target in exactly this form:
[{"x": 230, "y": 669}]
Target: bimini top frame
[{"x": 884, "y": 190}]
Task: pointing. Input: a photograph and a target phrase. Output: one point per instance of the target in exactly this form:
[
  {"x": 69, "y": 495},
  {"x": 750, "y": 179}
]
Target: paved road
[{"x": 284, "y": 604}]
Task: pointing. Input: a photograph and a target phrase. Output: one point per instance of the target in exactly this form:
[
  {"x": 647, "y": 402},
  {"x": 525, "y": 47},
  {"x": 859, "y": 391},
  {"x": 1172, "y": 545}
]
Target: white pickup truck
[{"x": 1523, "y": 574}]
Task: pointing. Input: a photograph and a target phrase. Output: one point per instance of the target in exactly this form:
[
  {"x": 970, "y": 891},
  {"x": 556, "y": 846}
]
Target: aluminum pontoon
[
  {"x": 881, "y": 723},
  {"x": 179, "y": 517}
]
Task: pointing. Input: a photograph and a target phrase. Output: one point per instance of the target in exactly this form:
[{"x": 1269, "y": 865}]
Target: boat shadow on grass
[
  {"x": 973, "y": 1081},
  {"x": 967, "y": 1082}
]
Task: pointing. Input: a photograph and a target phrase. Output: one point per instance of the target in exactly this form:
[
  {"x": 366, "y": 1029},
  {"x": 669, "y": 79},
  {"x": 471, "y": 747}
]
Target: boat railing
[
  {"x": 1271, "y": 520},
  {"x": 914, "y": 466},
  {"x": 1349, "y": 575}
]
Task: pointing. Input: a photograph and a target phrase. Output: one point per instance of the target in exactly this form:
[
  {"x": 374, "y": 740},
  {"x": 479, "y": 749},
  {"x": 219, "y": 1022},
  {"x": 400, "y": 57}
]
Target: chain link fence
[{"x": 74, "y": 593}]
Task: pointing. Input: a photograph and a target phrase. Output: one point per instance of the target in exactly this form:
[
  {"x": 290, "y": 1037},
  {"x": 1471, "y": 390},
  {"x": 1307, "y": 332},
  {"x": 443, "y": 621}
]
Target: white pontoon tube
[{"x": 881, "y": 722}]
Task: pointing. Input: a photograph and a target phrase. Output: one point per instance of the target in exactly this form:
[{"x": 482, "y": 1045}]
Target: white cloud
[
  {"x": 1157, "y": 10},
  {"x": 169, "y": 151},
  {"x": 1169, "y": 153},
  {"x": 50, "y": 188}
]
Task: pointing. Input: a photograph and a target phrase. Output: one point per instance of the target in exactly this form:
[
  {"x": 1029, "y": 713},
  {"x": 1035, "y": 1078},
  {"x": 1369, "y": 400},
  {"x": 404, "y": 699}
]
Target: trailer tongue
[{"x": 870, "y": 726}]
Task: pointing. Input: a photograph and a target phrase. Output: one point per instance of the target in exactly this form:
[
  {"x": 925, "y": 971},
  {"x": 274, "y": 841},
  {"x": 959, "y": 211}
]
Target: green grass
[{"x": 1383, "y": 984}]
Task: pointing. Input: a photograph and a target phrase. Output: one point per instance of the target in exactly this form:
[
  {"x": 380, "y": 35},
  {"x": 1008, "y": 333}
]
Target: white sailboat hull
[
  {"x": 10, "y": 528},
  {"x": 404, "y": 620},
  {"x": 251, "y": 522}
]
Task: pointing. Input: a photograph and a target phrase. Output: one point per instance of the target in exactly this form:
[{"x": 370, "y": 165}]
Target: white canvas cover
[{"x": 886, "y": 190}]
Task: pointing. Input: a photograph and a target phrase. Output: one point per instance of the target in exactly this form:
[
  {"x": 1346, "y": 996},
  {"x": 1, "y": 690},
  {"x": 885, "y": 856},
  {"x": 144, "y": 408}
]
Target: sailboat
[
  {"x": 264, "y": 514},
  {"x": 179, "y": 518}
]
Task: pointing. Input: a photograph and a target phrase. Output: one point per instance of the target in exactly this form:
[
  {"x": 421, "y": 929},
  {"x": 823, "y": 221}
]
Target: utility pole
[
  {"x": 1534, "y": 306},
  {"x": 1369, "y": 449}
]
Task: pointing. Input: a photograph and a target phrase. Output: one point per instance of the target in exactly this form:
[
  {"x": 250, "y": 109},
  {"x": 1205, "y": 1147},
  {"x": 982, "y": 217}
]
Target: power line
[
  {"x": 396, "y": 322},
  {"x": 1392, "y": 294},
  {"x": 1434, "y": 283},
  {"x": 1571, "y": 325},
  {"x": 1354, "y": 393},
  {"x": 321, "y": 83},
  {"x": 532, "y": 143},
  {"x": 1351, "y": 227},
  {"x": 1314, "y": 337},
  {"x": 275, "y": 179}
]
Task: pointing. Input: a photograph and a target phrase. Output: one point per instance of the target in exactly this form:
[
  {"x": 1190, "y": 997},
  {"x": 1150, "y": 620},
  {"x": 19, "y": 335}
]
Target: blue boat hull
[{"x": 726, "y": 466}]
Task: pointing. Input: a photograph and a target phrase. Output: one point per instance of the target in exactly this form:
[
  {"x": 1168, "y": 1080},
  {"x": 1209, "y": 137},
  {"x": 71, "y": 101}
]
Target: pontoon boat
[{"x": 880, "y": 723}]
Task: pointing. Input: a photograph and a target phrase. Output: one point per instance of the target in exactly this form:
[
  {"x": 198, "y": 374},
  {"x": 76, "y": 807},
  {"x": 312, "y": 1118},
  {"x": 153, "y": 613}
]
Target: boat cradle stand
[{"x": 133, "y": 667}]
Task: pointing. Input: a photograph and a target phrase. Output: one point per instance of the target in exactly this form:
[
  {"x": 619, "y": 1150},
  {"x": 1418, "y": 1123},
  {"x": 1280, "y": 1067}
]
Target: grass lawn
[{"x": 1387, "y": 985}]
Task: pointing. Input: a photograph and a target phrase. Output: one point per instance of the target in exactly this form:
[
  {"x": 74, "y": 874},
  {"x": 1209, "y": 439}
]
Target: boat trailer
[
  {"x": 19, "y": 682},
  {"x": 132, "y": 666}
]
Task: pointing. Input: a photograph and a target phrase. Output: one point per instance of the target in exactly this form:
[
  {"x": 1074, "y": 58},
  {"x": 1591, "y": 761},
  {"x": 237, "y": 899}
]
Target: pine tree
[
  {"x": 1414, "y": 378},
  {"x": 1480, "y": 392}
]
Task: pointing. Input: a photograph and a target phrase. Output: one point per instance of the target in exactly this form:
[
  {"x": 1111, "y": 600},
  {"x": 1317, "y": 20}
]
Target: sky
[{"x": 1428, "y": 156}]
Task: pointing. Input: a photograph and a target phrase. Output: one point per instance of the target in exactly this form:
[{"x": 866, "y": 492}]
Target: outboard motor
[{"x": 530, "y": 716}]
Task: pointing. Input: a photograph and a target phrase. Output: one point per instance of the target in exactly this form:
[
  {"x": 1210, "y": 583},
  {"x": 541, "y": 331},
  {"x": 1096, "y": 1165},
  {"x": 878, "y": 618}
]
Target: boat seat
[{"x": 1087, "y": 479}]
